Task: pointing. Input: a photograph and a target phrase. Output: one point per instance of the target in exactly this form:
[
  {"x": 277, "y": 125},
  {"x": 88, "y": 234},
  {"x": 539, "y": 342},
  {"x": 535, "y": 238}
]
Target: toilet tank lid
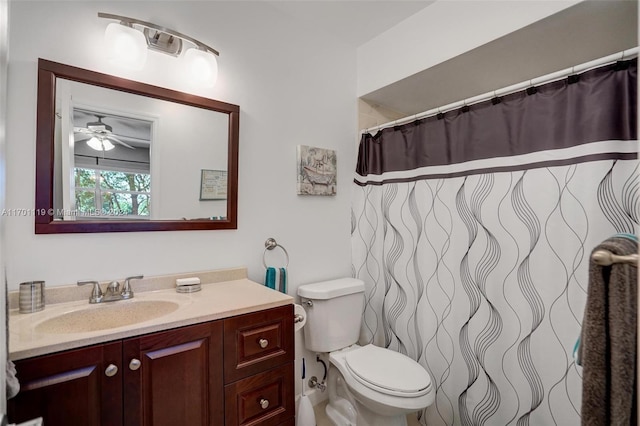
[{"x": 331, "y": 289}]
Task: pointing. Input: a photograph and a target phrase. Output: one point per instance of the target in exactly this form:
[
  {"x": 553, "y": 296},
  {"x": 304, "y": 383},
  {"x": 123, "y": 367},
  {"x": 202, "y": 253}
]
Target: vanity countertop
[{"x": 215, "y": 301}]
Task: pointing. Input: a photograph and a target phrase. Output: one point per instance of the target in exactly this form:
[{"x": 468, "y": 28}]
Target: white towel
[{"x": 13, "y": 385}]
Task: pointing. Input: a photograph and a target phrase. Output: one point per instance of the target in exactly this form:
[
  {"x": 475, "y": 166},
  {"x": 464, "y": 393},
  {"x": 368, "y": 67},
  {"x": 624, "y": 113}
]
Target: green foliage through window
[{"x": 112, "y": 193}]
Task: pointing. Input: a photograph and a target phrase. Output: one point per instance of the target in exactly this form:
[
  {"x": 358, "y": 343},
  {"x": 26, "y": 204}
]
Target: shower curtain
[{"x": 472, "y": 232}]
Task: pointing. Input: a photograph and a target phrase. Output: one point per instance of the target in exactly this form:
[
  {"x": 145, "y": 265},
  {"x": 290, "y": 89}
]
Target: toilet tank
[{"x": 335, "y": 313}]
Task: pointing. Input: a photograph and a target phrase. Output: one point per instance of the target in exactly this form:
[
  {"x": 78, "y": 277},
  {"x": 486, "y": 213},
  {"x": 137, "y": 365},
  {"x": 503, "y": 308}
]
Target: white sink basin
[{"x": 109, "y": 315}]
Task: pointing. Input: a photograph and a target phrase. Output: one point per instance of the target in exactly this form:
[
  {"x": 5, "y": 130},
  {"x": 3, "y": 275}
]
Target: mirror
[{"x": 115, "y": 155}]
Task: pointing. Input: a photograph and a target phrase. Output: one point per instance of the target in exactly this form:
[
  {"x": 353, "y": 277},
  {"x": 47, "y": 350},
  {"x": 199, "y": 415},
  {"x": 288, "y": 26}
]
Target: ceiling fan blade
[
  {"x": 115, "y": 139},
  {"x": 82, "y": 130}
]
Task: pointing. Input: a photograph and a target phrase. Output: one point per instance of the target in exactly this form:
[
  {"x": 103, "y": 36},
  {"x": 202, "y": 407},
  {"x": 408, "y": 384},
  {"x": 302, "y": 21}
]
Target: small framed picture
[
  {"x": 317, "y": 171},
  {"x": 213, "y": 185}
]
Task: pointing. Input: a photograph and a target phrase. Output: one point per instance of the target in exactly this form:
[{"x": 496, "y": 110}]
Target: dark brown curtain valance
[{"x": 597, "y": 105}]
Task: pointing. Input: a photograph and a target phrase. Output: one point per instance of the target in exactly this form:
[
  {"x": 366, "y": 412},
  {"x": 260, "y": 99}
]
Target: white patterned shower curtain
[{"x": 477, "y": 266}]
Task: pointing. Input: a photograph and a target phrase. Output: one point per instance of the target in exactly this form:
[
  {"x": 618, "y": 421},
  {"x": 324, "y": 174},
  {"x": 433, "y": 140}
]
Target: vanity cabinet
[
  {"x": 235, "y": 371},
  {"x": 258, "y": 368}
]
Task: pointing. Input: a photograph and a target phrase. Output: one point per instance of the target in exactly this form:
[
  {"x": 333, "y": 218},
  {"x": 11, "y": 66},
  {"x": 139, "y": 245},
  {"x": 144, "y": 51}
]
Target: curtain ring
[{"x": 495, "y": 100}]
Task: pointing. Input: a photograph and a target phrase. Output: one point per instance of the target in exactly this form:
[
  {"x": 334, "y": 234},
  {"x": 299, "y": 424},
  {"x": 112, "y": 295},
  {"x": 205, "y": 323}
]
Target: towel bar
[
  {"x": 270, "y": 244},
  {"x": 606, "y": 258}
]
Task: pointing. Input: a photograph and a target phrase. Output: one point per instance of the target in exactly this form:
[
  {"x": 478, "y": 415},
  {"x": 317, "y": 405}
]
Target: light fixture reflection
[
  {"x": 126, "y": 46},
  {"x": 100, "y": 144}
]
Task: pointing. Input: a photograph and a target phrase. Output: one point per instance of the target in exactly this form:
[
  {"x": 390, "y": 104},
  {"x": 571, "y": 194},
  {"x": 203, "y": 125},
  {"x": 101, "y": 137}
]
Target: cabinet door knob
[
  {"x": 111, "y": 370},
  {"x": 134, "y": 364},
  {"x": 263, "y": 344},
  {"x": 264, "y": 403}
]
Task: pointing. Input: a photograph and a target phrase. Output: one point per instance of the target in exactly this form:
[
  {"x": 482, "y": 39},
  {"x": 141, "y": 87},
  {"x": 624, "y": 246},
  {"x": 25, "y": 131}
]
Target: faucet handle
[
  {"x": 127, "y": 292},
  {"x": 96, "y": 293}
]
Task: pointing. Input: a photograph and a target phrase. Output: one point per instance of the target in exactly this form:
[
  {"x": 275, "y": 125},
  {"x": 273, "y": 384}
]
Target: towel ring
[{"x": 270, "y": 244}]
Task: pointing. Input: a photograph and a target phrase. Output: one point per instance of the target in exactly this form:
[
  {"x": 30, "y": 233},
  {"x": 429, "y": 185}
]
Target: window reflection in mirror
[{"x": 111, "y": 166}]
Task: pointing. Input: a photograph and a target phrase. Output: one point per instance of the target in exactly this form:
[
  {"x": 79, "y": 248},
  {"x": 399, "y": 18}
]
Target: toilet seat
[{"x": 388, "y": 372}]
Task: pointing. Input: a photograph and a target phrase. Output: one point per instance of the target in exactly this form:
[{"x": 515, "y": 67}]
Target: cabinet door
[
  {"x": 71, "y": 388},
  {"x": 174, "y": 377}
]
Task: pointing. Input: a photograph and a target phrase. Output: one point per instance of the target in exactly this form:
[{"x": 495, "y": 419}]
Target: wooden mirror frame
[{"x": 47, "y": 73}]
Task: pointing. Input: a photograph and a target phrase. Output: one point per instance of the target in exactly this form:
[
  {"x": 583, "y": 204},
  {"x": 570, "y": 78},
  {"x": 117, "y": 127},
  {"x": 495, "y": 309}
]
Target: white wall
[
  {"x": 293, "y": 87},
  {"x": 441, "y": 31}
]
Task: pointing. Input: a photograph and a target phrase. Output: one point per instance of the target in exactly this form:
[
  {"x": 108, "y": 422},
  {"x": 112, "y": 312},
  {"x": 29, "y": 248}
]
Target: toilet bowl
[
  {"x": 384, "y": 386},
  {"x": 368, "y": 385}
]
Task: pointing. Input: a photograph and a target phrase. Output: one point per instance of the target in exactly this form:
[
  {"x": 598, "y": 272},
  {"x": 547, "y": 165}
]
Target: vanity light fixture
[
  {"x": 126, "y": 46},
  {"x": 128, "y": 41}
]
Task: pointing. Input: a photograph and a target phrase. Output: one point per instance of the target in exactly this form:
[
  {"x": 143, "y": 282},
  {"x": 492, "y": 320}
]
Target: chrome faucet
[{"x": 112, "y": 293}]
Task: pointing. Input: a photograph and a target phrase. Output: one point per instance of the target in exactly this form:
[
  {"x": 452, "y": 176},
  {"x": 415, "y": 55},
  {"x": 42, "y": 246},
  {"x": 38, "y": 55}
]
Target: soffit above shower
[{"x": 586, "y": 31}]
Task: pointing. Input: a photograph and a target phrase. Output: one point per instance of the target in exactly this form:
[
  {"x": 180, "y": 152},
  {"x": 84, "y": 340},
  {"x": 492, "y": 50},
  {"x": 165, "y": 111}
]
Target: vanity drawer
[
  {"x": 256, "y": 342},
  {"x": 265, "y": 399}
]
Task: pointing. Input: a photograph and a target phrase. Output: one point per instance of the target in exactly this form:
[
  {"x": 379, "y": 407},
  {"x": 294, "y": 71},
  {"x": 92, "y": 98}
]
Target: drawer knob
[
  {"x": 263, "y": 344},
  {"x": 264, "y": 403},
  {"x": 111, "y": 370},
  {"x": 134, "y": 364}
]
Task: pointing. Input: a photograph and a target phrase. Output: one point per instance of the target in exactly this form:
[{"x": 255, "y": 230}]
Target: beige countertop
[{"x": 215, "y": 301}]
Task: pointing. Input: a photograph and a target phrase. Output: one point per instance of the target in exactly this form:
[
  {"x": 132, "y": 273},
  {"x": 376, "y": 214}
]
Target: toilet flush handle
[{"x": 309, "y": 303}]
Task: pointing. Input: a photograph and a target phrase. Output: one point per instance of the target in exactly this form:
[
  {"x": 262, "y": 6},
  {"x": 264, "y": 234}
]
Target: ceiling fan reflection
[{"x": 100, "y": 135}]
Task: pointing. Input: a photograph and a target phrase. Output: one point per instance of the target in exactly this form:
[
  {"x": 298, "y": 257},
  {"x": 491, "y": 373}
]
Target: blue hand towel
[
  {"x": 283, "y": 280},
  {"x": 270, "y": 278},
  {"x": 276, "y": 278}
]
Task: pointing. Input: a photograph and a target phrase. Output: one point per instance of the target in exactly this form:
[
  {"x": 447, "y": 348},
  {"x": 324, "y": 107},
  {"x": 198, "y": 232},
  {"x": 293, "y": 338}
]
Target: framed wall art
[{"x": 317, "y": 171}]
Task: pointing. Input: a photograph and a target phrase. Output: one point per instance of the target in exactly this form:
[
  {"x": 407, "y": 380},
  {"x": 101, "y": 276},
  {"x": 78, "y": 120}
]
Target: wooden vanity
[{"x": 236, "y": 370}]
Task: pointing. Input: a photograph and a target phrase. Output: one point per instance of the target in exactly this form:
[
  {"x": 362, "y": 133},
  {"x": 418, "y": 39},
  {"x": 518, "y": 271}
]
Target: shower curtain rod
[{"x": 548, "y": 78}]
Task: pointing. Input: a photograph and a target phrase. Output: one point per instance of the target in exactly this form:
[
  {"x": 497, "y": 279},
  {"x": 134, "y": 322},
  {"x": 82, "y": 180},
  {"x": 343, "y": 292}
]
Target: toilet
[{"x": 368, "y": 385}]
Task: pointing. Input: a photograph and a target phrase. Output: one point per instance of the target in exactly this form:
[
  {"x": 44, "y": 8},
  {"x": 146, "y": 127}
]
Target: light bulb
[
  {"x": 100, "y": 144},
  {"x": 202, "y": 67},
  {"x": 126, "y": 46}
]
